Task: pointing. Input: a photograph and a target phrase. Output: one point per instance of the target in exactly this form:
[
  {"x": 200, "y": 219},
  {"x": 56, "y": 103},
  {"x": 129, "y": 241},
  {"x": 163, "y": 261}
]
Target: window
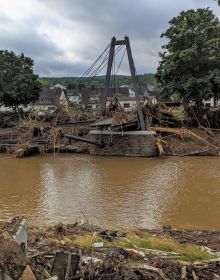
[
  {"x": 51, "y": 108},
  {"x": 46, "y": 100},
  {"x": 126, "y": 105}
]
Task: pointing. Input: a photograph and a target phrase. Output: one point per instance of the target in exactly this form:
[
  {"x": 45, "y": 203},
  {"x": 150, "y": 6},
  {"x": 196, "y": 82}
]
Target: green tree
[
  {"x": 189, "y": 65},
  {"x": 80, "y": 86},
  {"x": 71, "y": 85},
  {"x": 18, "y": 84}
]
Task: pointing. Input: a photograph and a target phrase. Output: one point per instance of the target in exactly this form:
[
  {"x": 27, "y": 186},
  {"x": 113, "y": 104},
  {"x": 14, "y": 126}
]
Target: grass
[
  {"x": 187, "y": 253},
  {"x": 84, "y": 241},
  {"x": 178, "y": 114},
  {"x": 194, "y": 253},
  {"x": 43, "y": 82}
]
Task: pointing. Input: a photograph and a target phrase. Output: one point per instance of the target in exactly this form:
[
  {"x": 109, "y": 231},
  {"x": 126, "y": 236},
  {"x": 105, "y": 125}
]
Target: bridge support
[{"x": 125, "y": 42}]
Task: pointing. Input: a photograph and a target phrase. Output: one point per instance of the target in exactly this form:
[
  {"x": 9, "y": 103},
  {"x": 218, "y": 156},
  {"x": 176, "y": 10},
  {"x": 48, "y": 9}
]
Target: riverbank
[
  {"x": 109, "y": 254},
  {"x": 169, "y": 142},
  {"x": 172, "y": 132}
]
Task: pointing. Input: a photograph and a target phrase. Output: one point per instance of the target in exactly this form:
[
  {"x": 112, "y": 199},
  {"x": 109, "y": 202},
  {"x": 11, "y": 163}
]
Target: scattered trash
[
  {"x": 49, "y": 258},
  {"x": 109, "y": 235},
  {"x": 98, "y": 244},
  {"x": 65, "y": 265}
]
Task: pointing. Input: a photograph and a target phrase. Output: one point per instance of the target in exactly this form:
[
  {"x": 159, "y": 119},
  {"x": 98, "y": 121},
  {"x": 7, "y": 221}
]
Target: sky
[{"x": 64, "y": 37}]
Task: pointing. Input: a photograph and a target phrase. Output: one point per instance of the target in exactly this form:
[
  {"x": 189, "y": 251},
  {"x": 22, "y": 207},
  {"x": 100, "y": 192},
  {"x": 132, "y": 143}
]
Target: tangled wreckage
[
  {"x": 83, "y": 251},
  {"x": 146, "y": 131},
  {"x": 116, "y": 133}
]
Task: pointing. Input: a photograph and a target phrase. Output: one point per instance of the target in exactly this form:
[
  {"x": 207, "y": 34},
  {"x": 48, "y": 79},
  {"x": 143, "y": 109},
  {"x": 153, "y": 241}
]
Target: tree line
[{"x": 99, "y": 81}]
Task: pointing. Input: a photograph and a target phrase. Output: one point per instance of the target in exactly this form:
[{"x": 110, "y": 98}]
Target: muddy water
[{"x": 111, "y": 191}]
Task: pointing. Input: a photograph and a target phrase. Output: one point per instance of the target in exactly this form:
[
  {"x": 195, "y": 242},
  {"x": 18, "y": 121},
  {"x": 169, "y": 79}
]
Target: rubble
[
  {"x": 179, "y": 132},
  {"x": 65, "y": 252},
  {"x": 28, "y": 274},
  {"x": 12, "y": 258}
]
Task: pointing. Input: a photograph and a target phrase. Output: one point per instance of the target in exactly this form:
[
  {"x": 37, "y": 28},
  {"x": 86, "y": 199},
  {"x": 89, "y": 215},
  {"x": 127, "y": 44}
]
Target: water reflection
[{"x": 111, "y": 191}]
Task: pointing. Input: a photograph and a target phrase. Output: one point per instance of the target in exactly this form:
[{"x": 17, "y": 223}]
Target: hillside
[{"x": 98, "y": 81}]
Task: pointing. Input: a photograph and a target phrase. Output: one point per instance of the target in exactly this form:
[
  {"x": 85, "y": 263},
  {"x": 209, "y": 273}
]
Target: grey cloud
[
  {"x": 51, "y": 68},
  {"x": 31, "y": 43},
  {"x": 97, "y": 21}
]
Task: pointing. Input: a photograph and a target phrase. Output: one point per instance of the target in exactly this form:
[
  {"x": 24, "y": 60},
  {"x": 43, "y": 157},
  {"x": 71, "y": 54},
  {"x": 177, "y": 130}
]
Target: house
[
  {"x": 211, "y": 103},
  {"x": 50, "y": 99},
  {"x": 126, "y": 102},
  {"x": 93, "y": 98},
  {"x": 58, "y": 86},
  {"x": 125, "y": 97},
  {"x": 154, "y": 95},
  {"x": 73, "y": 96}
]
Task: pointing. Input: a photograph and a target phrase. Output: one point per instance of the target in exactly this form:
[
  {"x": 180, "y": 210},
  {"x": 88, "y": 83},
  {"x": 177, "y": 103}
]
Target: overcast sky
[{"x": 65, "y": 36}]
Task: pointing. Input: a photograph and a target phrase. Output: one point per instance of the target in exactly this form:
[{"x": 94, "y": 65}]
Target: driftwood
[
  {"x": 194, "y": 275},
  {"x": 184, "y": 133},
  {"x": 184, "y": 273},
  {"x": 160, "y": 146},
  {"x": 156, "y": 270}
]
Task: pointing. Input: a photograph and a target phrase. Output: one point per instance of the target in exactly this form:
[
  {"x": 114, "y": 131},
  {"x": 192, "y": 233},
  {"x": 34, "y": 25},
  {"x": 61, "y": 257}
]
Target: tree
[
  {"x": 71, "y": 85},
  {"x": 80, "y": 86},
  {"x": 18, "y": 84},
  {"x": 189, "y": 65}
]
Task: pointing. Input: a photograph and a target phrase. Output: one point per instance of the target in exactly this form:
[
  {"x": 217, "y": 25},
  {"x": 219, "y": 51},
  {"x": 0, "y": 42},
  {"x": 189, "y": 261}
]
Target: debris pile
[
  {"x": 179, "y": 132},
  {"x": 161, "y": 115},
  {"x": 36, "y": 135},
  {"x": 83, "y": 251},
  {"x": 205, "y": 116},
  {"x": 183, "y": 142}
]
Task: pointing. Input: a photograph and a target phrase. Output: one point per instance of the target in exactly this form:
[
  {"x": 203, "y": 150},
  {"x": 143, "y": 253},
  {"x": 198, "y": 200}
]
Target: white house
[
  {"x": 210, "y": 102},
  {"x": 50, "y": 99}
]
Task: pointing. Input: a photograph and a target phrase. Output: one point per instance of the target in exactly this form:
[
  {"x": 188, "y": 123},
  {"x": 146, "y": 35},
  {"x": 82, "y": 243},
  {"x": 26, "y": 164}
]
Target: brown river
[{"x": 112, "y": 191}]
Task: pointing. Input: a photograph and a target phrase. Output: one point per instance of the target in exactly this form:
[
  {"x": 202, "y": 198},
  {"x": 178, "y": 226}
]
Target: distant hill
[{"x": 98, "y": 81}]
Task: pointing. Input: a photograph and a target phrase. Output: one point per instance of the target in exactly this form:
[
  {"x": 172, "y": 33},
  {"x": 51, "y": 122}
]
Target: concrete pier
[{"x": 129, "y": 143}]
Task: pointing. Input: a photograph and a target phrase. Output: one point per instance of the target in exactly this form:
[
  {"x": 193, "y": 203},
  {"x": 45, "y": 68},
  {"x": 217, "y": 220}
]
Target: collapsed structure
[{"x": 142, "y": 127}]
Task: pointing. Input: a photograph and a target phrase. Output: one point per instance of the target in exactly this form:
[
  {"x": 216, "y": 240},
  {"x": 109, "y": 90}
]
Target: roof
[
  {"x": 88, "y": 93},
  {"x": 124, "y": 86},
  {"x": 49, "y": 96},
  {"x": 123, "y": 91},
  {"x": 152, "y": 90},
  {"x": 58, "y": 86},
  {"x": 72, "y": 92},
  {"x": 75, "y": 99},
  {"x": 122, "y": 98}
]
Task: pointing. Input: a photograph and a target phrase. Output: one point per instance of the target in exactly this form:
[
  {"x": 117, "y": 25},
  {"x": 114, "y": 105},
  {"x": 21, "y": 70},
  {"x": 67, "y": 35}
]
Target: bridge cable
[
  {"x": 93, "y": 64},
  {"x": 98, "y": 69}
]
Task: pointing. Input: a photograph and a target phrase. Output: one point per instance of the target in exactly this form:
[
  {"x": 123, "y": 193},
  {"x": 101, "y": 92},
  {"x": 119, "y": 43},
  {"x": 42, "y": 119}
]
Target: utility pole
[{"x": 125, "y": 42}]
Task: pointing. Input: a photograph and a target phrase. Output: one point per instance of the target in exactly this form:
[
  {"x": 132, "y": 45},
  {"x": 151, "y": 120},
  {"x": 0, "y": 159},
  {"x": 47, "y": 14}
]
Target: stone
[
  {"x": 28, "y": 274},
  {"x": 12, "y": 258},
  {"x": 130, "y": 143}
]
